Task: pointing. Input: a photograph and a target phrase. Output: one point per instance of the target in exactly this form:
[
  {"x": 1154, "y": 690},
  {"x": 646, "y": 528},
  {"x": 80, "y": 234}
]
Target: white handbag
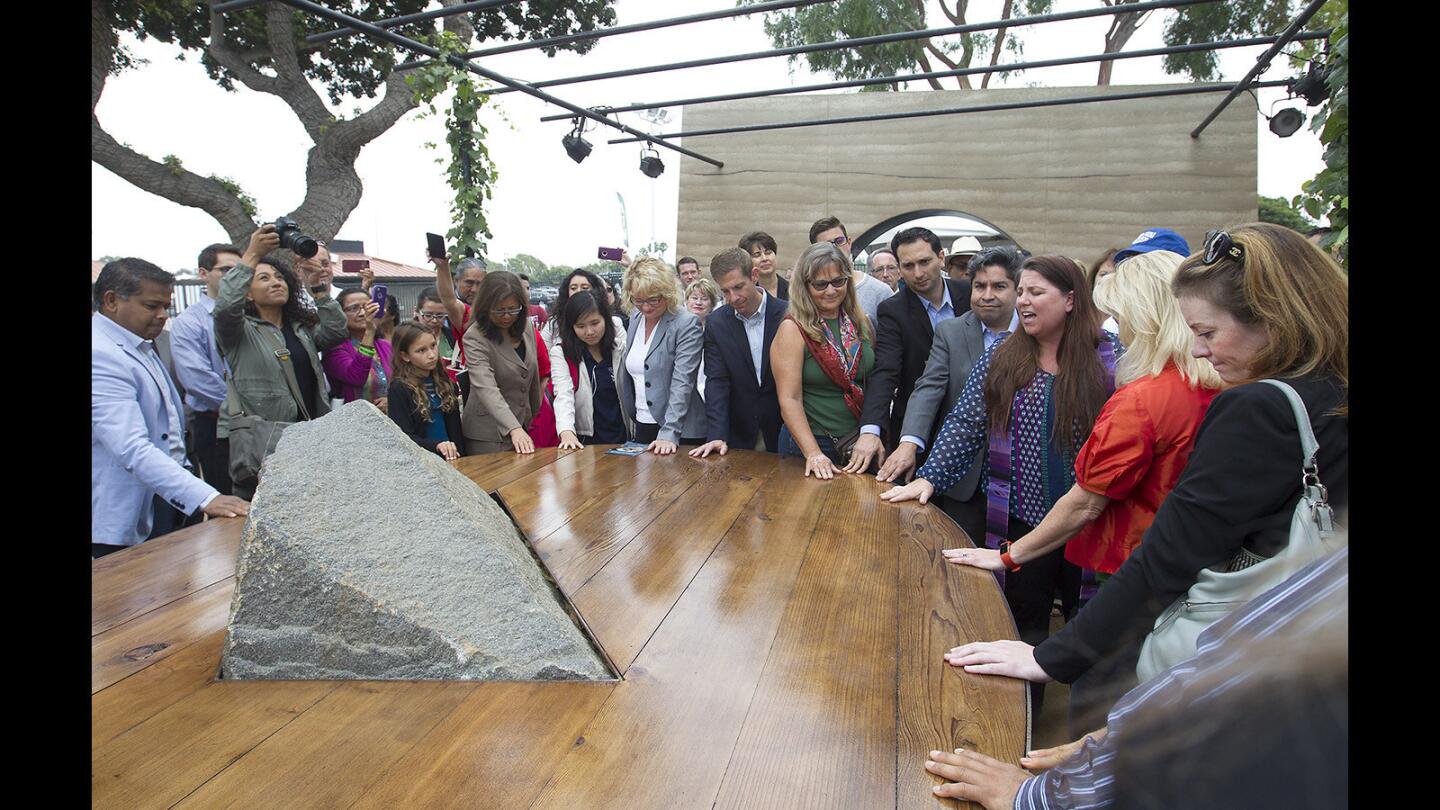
[{"x": 1220, "y": 589}]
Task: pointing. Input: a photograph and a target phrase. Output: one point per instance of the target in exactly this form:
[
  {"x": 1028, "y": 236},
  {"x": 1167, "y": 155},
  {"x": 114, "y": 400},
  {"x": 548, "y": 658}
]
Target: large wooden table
[{"x": 780, "y": 641}]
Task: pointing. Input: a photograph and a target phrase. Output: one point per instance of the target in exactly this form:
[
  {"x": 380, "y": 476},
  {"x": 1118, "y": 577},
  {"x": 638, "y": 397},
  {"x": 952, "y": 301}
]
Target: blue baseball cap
[{"x": 1155, "y": 239}]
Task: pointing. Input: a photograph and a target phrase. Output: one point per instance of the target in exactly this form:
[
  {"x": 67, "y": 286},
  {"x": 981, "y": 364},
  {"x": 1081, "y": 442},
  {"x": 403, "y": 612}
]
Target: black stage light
[
  {"x": 650, "y": 162},
  {"x": 1286, "y": 122},
  {"x": 576, "y": 146},
  {"x": 1311, "y": 86}
]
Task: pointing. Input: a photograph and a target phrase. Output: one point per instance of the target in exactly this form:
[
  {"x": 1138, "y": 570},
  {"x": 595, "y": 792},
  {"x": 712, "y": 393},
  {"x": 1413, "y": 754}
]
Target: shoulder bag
[
  {"x": 1220, "y": 589},
  {"x": 253, "y": 438}
]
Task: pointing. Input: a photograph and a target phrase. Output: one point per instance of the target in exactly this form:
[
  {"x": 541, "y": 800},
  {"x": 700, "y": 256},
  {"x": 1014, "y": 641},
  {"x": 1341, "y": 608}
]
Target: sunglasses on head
[
  {"x": 1218, "y": 244},
  {"x": 838, "y": 283}
]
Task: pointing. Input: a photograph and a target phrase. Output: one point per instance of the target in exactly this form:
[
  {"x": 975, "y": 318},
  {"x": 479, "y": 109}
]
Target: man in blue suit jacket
[
  {"x": 140, "y": 486},
  {"x": 740, "y": 400}
]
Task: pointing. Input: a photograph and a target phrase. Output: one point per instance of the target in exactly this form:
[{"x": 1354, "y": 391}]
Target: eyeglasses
[
  {"x": 841, "y": 240},
  {"x": 819, "y": 286},
  {"x": 505, "y": 313},
  {"x": 649, "y": 302},
  {"x": 1217, "y": 244},
  {"x": 354, "y": 308},
  {"x": 432, "y": 316}
]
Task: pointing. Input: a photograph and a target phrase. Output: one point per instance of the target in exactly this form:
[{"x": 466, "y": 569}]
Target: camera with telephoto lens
[{"x": 295, "y": 240}]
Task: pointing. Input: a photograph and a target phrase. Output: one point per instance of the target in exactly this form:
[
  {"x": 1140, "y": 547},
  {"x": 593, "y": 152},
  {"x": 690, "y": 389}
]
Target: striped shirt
[{"x": 1315, "y": 598}]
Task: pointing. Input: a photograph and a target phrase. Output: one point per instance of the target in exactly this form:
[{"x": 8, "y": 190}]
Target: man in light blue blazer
[{"x": 140, "y": 486}]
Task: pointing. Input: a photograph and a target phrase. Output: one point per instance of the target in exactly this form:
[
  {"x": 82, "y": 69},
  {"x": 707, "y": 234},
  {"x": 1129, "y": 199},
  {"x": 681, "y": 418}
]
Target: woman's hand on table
[
  {"x": 821, "y": 465},
  {"x": 661, "y": 447},
  {"x": 1013, "y": 659},
  {"x": 569, "y": 441},
  {"x": 919, "y": 489},
  {"x": 522, "y": 441},
  {"x": 986, "y": 558}
]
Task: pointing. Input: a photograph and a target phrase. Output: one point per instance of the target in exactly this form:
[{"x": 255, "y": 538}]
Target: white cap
[{"x": 966, "y": 244}]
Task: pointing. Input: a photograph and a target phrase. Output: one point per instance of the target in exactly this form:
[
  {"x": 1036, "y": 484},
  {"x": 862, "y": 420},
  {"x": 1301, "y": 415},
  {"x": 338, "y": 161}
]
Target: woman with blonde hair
[
  {"x": 823, "y": 351},
  {"x": 1263, "y": 305},
  {"x": 1137, "y": 449},
  {"x": 662, "y": 354}
]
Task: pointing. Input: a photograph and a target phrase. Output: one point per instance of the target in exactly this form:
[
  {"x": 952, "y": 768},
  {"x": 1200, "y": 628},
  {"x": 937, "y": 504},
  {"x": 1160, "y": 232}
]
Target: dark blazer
[
  {"x": 402, "y": 411},
  {"x": 958, "y": 344},
  {"x": 902, "y": 346},
  {"x": 736, "y": 409}
]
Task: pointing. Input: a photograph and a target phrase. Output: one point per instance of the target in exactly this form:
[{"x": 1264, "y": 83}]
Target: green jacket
[{"x": 256, "y": 382}]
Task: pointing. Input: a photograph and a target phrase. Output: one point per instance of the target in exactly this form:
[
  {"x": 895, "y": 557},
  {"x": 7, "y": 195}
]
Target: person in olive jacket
[{"x": 260, "y": 323}]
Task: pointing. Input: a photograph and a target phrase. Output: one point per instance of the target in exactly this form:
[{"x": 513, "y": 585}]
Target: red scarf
[{"x": 830, "y": 362}]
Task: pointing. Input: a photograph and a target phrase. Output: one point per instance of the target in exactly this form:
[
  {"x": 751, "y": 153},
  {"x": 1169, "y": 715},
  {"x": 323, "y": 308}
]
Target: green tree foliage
[
  {"x": 1206, "y": 22},
  {"x": 849, "y": 19},
  {"x": 1281, "y": 212},
  {"x": 1328, "y": 193}
]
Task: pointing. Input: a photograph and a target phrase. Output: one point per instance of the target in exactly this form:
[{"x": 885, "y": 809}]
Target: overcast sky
[{"x": 544, "y": 204}]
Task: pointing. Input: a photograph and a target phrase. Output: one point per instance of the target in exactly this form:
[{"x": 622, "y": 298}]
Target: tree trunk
[
  {"x": 1122, "y": 27},
  {"x": 333, "y": 187}
]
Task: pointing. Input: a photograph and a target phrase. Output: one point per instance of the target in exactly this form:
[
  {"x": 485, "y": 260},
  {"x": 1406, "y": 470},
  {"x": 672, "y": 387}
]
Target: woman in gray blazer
[
  {"x": 662, "y": 353},
  {"x": 504, "y": 379}
]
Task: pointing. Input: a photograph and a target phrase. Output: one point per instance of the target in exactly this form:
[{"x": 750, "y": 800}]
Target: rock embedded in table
[{"x": 367, "y": 557}]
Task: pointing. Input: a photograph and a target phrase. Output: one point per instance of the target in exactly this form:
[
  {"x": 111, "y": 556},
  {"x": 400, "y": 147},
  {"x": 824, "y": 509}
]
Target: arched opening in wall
[{"x": 961, "y": 235}]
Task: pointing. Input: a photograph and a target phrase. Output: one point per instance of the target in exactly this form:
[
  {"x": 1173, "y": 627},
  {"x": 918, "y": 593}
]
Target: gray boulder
[{"x": 367, "y": 557}]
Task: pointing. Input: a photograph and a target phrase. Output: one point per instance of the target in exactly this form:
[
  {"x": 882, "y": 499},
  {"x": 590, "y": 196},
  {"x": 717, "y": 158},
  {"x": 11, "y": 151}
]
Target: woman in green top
[{"x": 821, "y": 355}]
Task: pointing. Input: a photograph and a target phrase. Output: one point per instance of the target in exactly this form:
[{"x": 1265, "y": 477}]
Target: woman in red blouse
[{"x": 1140, "y": 441}]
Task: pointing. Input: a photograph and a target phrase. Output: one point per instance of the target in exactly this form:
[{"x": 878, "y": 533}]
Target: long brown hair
[
  {"x": 1080, "y": 388},
  {"x": 817, "y": 257},
  {"x": 410, "y": 376},
  {"x": 1292, "y": 289},
  {"x": 497, "y": 286}
]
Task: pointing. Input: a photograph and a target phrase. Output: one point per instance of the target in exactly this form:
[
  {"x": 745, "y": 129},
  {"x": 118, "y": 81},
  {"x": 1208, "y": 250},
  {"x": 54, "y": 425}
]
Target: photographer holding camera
[{"x": 271, "y": 343}]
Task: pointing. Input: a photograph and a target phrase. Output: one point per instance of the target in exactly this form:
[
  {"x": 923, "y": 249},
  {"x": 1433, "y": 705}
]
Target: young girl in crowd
[
  {"x": 359, "y": 368},
  {"x": 424, "y": 400},
  {"x": 587, "y": 405}
]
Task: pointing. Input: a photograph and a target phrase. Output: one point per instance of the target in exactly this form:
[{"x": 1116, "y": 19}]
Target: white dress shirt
[{"x": 635, "y": 367}]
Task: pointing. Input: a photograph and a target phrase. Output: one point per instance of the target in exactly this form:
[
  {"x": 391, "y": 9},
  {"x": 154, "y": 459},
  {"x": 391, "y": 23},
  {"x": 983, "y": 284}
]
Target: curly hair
[{"x": 293, "y": 312}]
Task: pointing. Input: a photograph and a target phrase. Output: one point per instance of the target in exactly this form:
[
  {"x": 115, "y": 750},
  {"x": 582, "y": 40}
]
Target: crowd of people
[{"x": 1103, "y": 432}]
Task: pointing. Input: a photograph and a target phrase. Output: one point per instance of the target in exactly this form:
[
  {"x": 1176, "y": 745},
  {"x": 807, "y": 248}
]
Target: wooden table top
[{"x": 780, "y": 641}]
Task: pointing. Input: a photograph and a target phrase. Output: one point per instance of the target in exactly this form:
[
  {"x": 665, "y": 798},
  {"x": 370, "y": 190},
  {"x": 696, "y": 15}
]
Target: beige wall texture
[{"x": 1074, "y": 179}]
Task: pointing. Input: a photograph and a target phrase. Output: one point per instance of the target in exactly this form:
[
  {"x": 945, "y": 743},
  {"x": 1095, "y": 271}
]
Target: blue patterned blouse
[{"x": 1041, "y": 470}]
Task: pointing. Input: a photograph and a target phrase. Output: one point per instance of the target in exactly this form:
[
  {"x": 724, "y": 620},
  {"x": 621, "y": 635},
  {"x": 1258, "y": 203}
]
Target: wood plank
[
  {"x": 627, "y": 599},
  {"x": 121, "y": 707},
  {"x": 581, "y": 547},
  {"x": 566, "y": 490},
  {"x": 331, "y": 754},
  {"x": 943, "y": 707},
  {"x": 663, "y": 738},
  {"x": 497, "y": 749},
  {"x": 141, "y": 578},
  {"x": 821, "y": 730},
  {"x": 494, "y": 470},
  {"x": 159, "y": 634},
  {"x": 160, "y": 761}
]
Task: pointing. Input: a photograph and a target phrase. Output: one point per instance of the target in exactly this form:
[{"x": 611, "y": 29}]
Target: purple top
[{"x": 353, "y": 375}]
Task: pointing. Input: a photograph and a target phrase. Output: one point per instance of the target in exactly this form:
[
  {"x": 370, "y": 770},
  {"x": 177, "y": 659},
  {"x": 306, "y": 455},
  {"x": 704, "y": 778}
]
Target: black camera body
[{"x": 295, "y": 240}]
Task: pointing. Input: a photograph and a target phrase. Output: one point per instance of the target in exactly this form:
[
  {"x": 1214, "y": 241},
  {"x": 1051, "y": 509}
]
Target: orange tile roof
[
  {"x": 384, "y": 268},
  {"x": 95, "y": 268}
]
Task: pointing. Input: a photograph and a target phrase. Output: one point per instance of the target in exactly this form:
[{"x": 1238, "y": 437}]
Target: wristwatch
[{"x": 1005, "y": 557}]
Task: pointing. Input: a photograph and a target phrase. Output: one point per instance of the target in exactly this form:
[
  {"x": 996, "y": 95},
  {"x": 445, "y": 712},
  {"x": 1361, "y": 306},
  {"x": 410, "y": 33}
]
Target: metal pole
[
  {"x": 1015, "y": 105},
  {"x": 235, "y": 5},
  {"x": 1075, "y": 60},
  {"x": 420, "y": 47},
  {"x": 393, "y": 22},
  {"x": 1262, "y": 63},
  {"x": 774, "y": 5},
  {"x": 879, "y": 39}
]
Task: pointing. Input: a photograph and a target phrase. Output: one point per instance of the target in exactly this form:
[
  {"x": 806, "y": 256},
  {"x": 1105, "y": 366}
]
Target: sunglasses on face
[
  {"x": 506, "y": 313},
  {"x": 838, "y": 283},
  {"x": 1218, "y": 244},
  {"x": 840, "y": 240}
]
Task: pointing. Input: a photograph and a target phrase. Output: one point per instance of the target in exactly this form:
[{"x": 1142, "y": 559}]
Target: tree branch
[
  {"x": 999, "y": 40},
  {"x": 227, "y": 58},
  {"x": 940, "y": 55},
  {"x": 958, "y": 16},
  {"x": 925, "y": 64}
]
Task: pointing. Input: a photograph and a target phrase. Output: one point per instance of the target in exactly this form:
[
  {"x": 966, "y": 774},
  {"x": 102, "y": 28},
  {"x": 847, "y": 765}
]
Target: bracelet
[
  {"x": 1005, "y": 557},
  {"x": 368, "y": 351}
]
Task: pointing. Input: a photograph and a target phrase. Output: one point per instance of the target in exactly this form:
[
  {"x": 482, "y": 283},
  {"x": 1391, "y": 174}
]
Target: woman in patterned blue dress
[{"x": 1029, "y": 403}]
